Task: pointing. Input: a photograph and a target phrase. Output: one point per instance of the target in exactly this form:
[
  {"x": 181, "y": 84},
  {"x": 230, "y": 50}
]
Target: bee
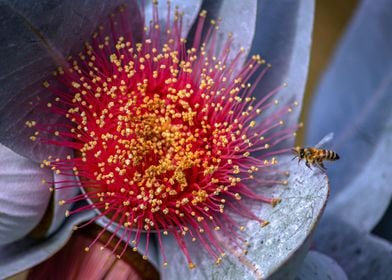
[{"x": 314, "y": 155}]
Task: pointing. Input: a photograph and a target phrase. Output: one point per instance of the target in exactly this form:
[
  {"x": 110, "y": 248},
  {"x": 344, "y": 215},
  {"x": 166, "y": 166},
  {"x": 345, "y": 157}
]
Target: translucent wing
[{"x": 325, "y": 140}]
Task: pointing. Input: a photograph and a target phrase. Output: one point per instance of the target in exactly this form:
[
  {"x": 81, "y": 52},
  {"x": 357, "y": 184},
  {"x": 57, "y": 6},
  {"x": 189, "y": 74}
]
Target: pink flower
[
  {"x": 167, "y": 139},
  {"x": 163, "y": 136}
]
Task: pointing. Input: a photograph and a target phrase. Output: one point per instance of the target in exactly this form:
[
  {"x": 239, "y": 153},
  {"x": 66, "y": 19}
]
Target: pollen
[{"x": 191, "y": 265}]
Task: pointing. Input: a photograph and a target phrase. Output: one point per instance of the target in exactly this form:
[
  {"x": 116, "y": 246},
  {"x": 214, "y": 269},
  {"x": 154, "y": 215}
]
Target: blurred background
[{"x": 330, "y": 22}]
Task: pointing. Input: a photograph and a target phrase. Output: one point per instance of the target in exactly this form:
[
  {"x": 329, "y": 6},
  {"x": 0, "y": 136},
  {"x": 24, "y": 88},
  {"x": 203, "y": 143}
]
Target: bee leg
[
  {"x": 308, "y": 164},
  {"x": 322, "y": 166}
]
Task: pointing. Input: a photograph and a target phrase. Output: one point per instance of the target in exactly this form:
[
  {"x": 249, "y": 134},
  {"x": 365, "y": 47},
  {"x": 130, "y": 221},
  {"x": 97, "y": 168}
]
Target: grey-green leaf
[
  {"x": 27, "y": 252},
  {"x": 24, "y": 195},
  {"x": 318, "y": 266},
  {"x": 190, "y": 10},
  {"x": 361, "y": 255},
  {"x": 58, "y": 211},
  {"x": 34, "y": 35},
  {"x": 283, "y": 37},
  {"x": 239, "y": 19}
]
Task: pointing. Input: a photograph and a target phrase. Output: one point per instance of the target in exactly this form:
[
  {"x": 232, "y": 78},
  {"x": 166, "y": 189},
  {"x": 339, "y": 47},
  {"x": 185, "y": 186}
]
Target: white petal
[{"x": 23, "y": 196}]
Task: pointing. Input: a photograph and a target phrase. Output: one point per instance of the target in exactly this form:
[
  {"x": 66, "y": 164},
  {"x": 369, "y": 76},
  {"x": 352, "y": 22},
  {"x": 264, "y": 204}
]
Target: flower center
[{"x": 150, "y": 139}]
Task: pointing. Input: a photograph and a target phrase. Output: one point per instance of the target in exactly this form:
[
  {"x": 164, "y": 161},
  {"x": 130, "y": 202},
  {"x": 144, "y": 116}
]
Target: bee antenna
[{"x": 294, "y": 158}]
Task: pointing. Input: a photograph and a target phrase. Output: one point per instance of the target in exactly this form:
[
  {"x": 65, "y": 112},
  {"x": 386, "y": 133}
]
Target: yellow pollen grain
[
  {"x": 191, "y": 265},
  {"x": 264, "y": 223},
  {"x": 275, "y": 201}
]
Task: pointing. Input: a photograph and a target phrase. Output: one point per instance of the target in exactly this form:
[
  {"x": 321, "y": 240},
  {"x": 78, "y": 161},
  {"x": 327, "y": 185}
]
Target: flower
[
  {"x": 167, "y": 139},
  {"x": 60, "y": 130}
]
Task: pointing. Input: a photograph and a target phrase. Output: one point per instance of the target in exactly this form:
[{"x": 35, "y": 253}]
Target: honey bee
[{"x": 314, "y": 155}]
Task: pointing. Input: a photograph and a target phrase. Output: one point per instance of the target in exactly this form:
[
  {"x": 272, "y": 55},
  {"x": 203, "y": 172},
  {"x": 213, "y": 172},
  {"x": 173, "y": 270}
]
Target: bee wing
[{"x": 327, "y": 138}]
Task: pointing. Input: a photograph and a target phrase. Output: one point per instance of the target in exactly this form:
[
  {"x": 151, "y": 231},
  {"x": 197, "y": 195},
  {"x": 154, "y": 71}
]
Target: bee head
[{"x": 298, "y": 152}]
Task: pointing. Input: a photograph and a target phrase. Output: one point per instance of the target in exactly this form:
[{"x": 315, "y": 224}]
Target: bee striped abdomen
[{"x": 330, "y": 155}]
